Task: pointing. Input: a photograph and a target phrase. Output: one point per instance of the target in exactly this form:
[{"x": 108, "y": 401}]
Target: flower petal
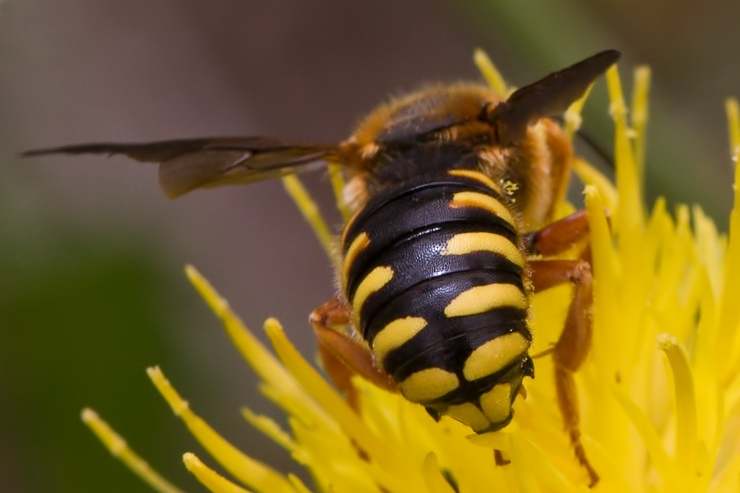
[
  {"x": 490, "y": 73},
  {"x": 282, "y": 385},
  {"x": 311, "y": 214},
  {"x": 120, "y": 449},
  {"x": 639, "y": 117},
  {"x": 248, "y": 471},
  {"x": 433, "y": 477},
  {"x": 395, "y": 465},
  {"x": 210, "y": 478}
]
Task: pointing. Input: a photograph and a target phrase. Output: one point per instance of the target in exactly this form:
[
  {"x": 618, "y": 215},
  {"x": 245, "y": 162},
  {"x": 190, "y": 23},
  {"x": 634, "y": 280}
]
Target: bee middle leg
[
  {"x": 574, "y": 343},
  {"x": 341, "y": 354}
]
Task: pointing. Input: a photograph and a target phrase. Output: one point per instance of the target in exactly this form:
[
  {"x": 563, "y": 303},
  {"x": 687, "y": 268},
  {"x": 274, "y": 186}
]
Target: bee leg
[
  {"x": 559, "y": 236},
  {"x": 343, "y": 355},
  {"x": 574, "y": 343}
]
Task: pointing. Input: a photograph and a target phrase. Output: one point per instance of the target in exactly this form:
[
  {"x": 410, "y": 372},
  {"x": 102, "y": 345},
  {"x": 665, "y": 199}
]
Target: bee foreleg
[
  {"x": 574, "y": 343},
  {"x": 559, "y": 236},
  {"x": 341, "y": 354}
]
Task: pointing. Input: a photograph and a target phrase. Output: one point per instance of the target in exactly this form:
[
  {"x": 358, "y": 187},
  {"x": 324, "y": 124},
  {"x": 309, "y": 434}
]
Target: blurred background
[{"x": 91, "y": 253}]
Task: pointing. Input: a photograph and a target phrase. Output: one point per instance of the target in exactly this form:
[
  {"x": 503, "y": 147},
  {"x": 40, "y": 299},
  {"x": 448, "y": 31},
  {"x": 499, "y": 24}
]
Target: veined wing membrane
[{"x": 187, "y": 164}]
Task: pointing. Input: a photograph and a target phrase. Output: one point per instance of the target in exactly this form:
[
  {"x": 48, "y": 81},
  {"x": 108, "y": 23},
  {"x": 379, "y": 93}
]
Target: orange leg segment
[
  {"x": 343, "y": 355},
  {"x": 559, "y": 236},
  {"x": 574, "y": 343}
]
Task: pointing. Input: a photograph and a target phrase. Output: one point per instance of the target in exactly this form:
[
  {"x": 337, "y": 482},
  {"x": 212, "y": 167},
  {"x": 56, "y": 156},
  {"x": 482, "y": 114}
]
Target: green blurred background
[{"x": 91, "y": 254}]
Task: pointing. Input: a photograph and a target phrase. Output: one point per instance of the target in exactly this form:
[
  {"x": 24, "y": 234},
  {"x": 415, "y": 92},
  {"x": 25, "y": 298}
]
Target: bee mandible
[{"x": 453, "y": 190}]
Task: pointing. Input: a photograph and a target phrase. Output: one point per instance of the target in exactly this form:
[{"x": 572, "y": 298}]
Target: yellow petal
[
  {"x": 271, "y": 429},
  {"x": 337, "y": 185},
  {"x": 660, "y": 459},
  {"x": 605, "y": 263},
  {"x": 589, "y": 175},
  {"x": 640, "y": 114},
  {"x": 396, "y": 465},
  {"x": 433, "y": 476},
  {"x": 548, "y": 477},
  {"x": 628, "y": 186},
  {"x": 248, "y": 471},
  {"x": 490, "y": 72},
  {"x": 311, "y": 214},
  {"x": 297, "y": 483},
  {"x": 210, "y": 478},
  {"x": 683, "y": 382},
  {"x": 120, "y": 449},
  {"x": 733, "y": 120},
  {"x": 729, "y": 350},
  {"x": 572, "y": 116},
  {"x": 283, "y": 386},
  {"x": 520, "y": 465}
]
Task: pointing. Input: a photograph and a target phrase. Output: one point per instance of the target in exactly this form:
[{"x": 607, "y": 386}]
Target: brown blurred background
[{"x": 91, "y": 253}]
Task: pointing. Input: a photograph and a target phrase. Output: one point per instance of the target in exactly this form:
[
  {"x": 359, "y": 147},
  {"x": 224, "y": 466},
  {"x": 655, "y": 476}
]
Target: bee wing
[
  {"x": 185, "y": 165},
  {"x": 548, "y": 96}
]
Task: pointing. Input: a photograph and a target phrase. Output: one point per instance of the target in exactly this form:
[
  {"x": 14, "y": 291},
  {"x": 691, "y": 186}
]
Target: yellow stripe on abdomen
[
  {"x": 358, "y": 245},
  {"x": 464, "y": 243},
  {"x": 481, "y": 299},
  {"x": 378, "y": 277},
  {"x": 494, "y": 355},
  {"x": 395, "y": 334},
  {"x": 496, "y": 403},
  {"x": 429, "y": 384},
  {"x": 482, "y": 201}
]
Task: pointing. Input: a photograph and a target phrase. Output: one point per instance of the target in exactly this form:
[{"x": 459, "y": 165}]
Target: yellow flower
[{"x": 660, "y": 392}]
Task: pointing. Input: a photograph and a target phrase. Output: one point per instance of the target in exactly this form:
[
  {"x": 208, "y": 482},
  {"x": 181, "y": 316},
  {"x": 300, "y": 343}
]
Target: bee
[{"x": 453, "y": 191}]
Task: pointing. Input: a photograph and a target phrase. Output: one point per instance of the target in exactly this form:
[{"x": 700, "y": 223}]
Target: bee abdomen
[{"x": 434, "y": 274}]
